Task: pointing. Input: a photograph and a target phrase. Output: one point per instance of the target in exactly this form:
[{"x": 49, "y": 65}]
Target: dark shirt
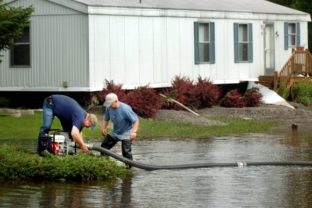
[{"x": 69, "y": 112}]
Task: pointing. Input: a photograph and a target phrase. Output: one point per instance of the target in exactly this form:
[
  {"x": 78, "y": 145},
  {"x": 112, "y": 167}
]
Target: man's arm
[
  {"x": 78, "y": 139},
  {"x": 104, "y": 129},
  {"x": 135, "y": 128}
]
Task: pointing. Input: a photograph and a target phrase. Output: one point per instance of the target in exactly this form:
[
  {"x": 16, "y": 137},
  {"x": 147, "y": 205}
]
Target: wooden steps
[{"x": 267, "y": 80}]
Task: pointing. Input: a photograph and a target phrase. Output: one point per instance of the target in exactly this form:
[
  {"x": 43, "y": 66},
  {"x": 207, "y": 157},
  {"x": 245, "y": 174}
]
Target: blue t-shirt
[
  {"x": 122, "y": 117},
  {"x": 69, "y": 112}
]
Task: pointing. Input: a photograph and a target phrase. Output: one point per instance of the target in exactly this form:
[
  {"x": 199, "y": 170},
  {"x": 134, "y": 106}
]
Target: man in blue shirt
[
  {"x": 71, "y": 115},
  {"x": 125, "y": 125}
]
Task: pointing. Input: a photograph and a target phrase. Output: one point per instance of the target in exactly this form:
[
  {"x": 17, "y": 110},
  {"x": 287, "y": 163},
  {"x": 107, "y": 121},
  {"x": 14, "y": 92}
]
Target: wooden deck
[{"x": 297, "y": 68}]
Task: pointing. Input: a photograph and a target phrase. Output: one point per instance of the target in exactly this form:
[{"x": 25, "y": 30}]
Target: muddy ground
[{"x": 300, "y": 115}]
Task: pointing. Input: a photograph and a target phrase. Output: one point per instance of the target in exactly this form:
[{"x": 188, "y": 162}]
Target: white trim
[
  {"x": 93, "y": 89},
  {"x": 195, "y": 14},
  {"x": 155, "y": 85},
  {"x": 233, "y": 81}
]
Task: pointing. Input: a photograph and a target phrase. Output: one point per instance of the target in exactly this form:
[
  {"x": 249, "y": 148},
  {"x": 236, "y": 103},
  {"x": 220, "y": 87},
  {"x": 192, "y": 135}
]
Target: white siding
[
  {"x": 131, "y": 51},
  {"x": 136, "y": 51},
  {"x": 59, "y": 53}
]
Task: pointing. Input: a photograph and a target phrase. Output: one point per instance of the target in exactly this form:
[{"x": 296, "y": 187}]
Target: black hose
[{"x": 196, "y": 165}]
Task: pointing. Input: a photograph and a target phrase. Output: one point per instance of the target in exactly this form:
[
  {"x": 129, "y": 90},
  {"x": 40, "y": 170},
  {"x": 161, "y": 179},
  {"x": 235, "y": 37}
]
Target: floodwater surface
[{"x": 262, "y": 186}]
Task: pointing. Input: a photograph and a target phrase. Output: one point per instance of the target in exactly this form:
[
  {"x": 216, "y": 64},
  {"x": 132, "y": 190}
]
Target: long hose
[{"x": 195, "y": 165}]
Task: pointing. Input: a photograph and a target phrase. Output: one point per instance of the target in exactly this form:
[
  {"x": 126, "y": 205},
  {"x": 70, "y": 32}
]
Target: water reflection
[
  {"x": 265, "y": 186},
  {"x": 66, "y": 195}
]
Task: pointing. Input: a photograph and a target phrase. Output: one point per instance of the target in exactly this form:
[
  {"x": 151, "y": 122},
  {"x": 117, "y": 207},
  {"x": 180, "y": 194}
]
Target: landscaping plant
[
  {"x": 111, "y": 87},
  {"x": 144, "y": 101},
  {"x": 283, "y": 91},
  {"x": 233, "y": 98},
  {"x": 303, "y": 92},
  {"x": 201, "y": 94},
  {"x": 252, "y": 97},
  {"x": 206, "y": 93},
  {"x": 182, "y": 91}
]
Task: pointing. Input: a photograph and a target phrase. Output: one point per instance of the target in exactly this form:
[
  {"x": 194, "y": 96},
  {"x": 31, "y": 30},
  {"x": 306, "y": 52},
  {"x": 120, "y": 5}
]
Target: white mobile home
[{"x": 75, "y": 45}]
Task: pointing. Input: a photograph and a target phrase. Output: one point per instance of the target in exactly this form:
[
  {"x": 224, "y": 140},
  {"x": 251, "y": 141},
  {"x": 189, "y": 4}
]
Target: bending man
[
  {"x": 72, "y": 116},
  {"x": 125, "y": 125}
]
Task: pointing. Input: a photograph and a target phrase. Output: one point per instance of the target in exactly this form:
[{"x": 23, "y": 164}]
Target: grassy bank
[
  {"x": 19, "y": 165},
  {"x": 27, "y": 126}
]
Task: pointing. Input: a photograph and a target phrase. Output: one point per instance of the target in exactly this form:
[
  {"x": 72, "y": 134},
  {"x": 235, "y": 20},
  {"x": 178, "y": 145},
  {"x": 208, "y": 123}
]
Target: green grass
[
  {"x": 27, "y": 127},
  {"x": 233, "y": 126}
]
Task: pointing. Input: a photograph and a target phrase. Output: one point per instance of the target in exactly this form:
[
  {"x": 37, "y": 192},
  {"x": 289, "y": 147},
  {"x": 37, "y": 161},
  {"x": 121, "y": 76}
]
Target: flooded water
[{"x": 264, "y": 186}]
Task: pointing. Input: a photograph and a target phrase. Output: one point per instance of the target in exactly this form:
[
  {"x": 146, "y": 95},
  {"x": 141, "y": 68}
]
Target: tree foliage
[
  {"x": 282, "y": 2},
  {"x": 303, "y": 5},
  {"x": 12, "y": 22}
]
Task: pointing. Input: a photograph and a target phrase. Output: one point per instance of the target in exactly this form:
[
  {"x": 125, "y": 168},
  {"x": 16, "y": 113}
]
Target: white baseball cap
[{"x": 109, "y": 99}]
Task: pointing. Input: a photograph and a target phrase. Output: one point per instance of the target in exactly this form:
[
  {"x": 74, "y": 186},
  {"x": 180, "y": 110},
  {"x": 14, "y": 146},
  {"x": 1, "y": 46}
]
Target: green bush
[
  {"x": 283, "y": 91},
  {"x": 303, "y": 92},
  {"x": 18, "y": 164},
  {"x": 305, "y": 100}
]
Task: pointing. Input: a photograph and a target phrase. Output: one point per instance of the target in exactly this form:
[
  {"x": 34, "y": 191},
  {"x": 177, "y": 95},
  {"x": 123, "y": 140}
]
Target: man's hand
[
  {"x": 78, "y": 139},
  {"x": 133, "y": 136},
  {"x": 84, "y": 148},
  {"x": 104, "y": 131}
]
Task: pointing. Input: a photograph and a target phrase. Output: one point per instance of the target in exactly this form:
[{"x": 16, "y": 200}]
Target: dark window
[{"x": 20, "y": 53}]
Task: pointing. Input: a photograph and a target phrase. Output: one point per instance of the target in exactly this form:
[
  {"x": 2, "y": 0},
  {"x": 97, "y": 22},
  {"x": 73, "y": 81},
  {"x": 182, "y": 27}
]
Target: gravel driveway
[{"x": 300, "y": 115}]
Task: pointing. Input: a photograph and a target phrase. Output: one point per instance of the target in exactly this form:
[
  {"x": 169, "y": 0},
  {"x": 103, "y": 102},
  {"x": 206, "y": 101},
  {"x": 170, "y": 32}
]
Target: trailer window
[
  {"x": 292, "y": 35},
  {"x": 20, "y": 53},
  {"x": 243, "y": 45},
  {"x": 204, "y": 43}
]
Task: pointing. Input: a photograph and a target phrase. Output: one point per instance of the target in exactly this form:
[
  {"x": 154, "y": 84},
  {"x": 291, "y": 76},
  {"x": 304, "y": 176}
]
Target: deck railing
[{"x": 298, "y": 65}]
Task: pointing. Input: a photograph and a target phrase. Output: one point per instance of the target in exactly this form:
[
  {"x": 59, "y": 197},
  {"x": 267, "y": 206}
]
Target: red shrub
[
  {"x": 144, "y": 101},
  {"x": 182, "y": 91},
  {"x": 252, "y": 97},
  {"x": 166, "y": 104},
  {"x": 111, "y": 87},
  {"x": 233, "y": 99},
  {"x": 206, "y": 93},
  {"x": 200, "y": 95}
]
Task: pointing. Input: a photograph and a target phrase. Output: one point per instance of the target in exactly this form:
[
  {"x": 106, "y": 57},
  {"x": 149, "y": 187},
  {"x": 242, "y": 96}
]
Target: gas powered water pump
[{"x": 59, "y": 142}]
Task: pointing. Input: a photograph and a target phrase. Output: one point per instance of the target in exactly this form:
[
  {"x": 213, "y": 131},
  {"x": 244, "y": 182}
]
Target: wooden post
[
  {"x": 180, "y": 104},
  {"x": 275, "y": 81}
]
